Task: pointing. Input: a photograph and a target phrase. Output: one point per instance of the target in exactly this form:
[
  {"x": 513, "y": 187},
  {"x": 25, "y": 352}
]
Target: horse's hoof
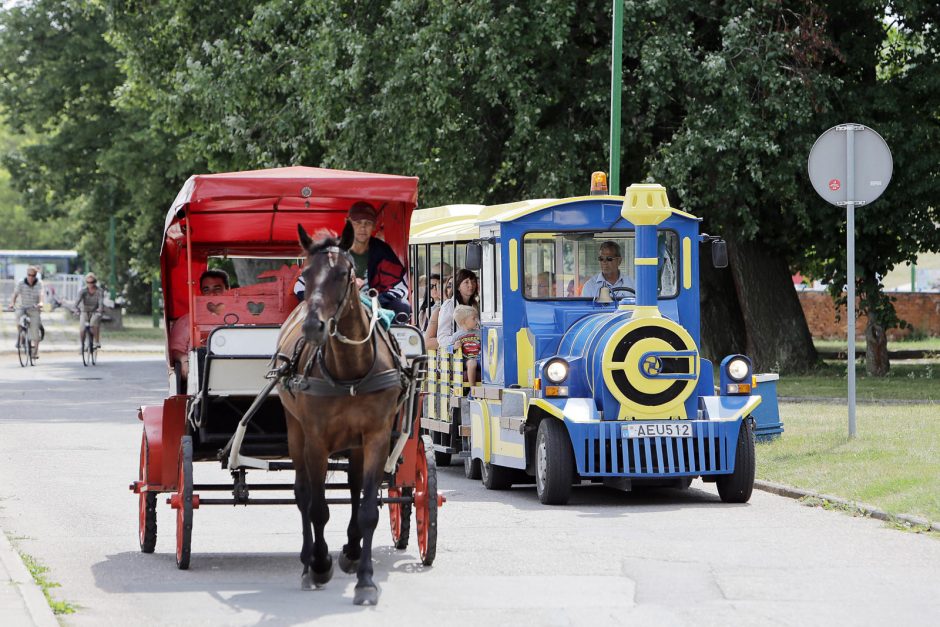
[
  {"x": 321, "y": 579},
  {"x": 367, "y": 595},
  {"x": 347, "y": 565},
  {"x": 306, "y": 581}
]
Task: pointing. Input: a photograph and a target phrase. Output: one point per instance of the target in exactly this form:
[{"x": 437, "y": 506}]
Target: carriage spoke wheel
[
  {"x": 22, "y": 348},
  {"x": 399, "y": 515},
  {"x": 426, "y": 501},
  {"x": 184, "y": 503},
  {"x": 147, "y": 521}
]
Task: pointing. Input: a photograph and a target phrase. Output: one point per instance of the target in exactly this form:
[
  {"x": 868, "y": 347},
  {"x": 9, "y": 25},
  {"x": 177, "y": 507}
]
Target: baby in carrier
[{"x": 468, "y": 339}]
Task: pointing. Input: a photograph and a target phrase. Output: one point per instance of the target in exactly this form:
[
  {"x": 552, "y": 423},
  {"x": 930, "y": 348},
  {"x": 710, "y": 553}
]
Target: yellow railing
[{"x": 444, "y": 382}]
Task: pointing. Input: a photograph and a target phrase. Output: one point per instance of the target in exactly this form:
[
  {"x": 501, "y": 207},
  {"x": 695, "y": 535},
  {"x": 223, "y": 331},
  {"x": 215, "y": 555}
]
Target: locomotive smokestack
[{"x": 645, "y": 206}]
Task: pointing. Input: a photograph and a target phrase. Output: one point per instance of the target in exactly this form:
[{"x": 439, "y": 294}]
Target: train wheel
[
  {"x": 147, "y": 506},
  {"x": 184, "y": 496},
  {"x": 442, "y": 459},
  {"x": 737, "y": 487},
  {"x": 471, "y": 468},
  {"x": 495, "y": 477},
  {"x": 554, "y": 463},
  {"x": 426, "y": 501},
  {"x": 399, "y": 515}
]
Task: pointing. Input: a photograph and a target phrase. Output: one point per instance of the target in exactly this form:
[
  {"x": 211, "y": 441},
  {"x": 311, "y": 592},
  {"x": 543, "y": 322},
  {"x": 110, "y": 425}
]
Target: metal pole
[
  {"x": 850, "y": 265},
  {"x": 155, "y": 302},
  {"x": 616, "y": 82},
  {"x": 113, "y": 279},
  {"x": 913, "y": 277}
]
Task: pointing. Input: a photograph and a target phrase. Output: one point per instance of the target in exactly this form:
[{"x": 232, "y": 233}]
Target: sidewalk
[
  {"x": 21, "y": 600},
  {"x": 62, "y": 336}
]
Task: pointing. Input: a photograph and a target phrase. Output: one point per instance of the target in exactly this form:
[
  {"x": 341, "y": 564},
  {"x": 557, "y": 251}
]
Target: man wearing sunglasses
[
  {"x": 610, "y": 276},
  {"x": 28, "y": 300}
]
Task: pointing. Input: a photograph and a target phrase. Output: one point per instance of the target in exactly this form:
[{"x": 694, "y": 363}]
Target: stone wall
[{"x": 921, "y": 310}]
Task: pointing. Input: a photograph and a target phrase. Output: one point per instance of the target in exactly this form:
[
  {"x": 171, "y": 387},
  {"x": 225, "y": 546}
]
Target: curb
[
  {"x": 858, "y": 401},
  {"x": 869, "y": 510},
  {"x": 35, "y": 601}
]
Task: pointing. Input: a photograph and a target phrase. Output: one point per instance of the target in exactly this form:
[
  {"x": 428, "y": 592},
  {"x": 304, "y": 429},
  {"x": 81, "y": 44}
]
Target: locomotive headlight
[
  {"x": 738, "y": 369},
  {"x": 556, "y": 370}
]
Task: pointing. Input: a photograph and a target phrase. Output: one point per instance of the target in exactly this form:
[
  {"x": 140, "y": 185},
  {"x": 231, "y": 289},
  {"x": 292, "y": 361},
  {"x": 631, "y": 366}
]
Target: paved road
[{"x": 69, "y": 442}]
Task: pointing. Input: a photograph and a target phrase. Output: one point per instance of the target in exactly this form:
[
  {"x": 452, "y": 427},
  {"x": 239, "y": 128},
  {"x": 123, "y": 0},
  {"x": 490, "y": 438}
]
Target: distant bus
[{"x": 13, "y": 263}]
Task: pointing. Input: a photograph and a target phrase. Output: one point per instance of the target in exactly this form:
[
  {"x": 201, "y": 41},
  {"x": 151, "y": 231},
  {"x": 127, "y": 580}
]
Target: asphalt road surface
[{"x": 69, "y": 443}]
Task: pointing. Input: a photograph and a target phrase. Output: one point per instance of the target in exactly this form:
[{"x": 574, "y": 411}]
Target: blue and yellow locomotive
[{"x": 591, "y": 369}]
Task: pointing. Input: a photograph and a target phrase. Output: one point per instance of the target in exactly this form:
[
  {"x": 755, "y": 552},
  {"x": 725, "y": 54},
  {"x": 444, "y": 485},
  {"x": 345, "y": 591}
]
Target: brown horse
[{"x": 341, "y": 396}]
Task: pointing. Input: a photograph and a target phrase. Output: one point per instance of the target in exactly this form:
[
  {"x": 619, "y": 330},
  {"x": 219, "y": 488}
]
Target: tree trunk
[
  {"x": 778, "y": 337},
  {"x": 876, "y": 350},
  {"x": 723, "y": 331}
]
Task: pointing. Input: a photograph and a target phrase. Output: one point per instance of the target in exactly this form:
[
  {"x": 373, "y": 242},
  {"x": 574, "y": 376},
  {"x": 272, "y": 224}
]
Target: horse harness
[{"x": 374, "y": 380}]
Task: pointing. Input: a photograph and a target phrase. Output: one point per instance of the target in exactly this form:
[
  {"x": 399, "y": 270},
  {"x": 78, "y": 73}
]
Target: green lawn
[
  {"x": 137, "y": 329},
  {"x": 893, "y": 463},
  {"x": 905, "y": 381},
  {"x": 921, "y": 344}
]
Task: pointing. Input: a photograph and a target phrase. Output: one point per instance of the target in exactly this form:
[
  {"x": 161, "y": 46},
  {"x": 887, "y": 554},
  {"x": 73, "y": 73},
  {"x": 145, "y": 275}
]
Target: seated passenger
[
  {"x": 610, "y": 275},
  {"x": 377, "y": 265},
  {"x": 211, "y": 283},
  {"x": 468, "y": 340},
  {"x": 544, "y": 284},
  {"x": 430, "y": 334},
  {"x": 466, "y": 293}
]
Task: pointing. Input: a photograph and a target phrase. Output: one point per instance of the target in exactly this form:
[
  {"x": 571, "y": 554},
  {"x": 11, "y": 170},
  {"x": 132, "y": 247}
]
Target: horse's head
[{"x": 330, "y": 282}]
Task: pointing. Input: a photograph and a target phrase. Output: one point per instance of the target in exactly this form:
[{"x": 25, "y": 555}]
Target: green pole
[
  {"x": 113, "y": 279},
  {"x": 616, "y": 87},
  {"x": 155, "y": 301},
  {"x": 913, "y": 277}
]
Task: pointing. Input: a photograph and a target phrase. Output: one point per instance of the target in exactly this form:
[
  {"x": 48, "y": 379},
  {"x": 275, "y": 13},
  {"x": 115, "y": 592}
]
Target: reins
[{"x": 332, "y": 325}]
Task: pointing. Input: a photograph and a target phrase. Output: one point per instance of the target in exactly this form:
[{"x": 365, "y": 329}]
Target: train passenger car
[{"x": 590, "y": 333}]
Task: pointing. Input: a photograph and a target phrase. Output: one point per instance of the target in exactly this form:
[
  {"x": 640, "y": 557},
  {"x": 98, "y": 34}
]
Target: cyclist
[
  {"x": 90, "y": 306},
  {"x": 29, "y": 293}
]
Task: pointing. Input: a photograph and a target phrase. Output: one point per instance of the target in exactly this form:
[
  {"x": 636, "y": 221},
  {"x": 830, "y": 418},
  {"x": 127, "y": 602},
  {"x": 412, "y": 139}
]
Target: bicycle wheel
[
  {"x": 92, "y": 349},
  {"x": 22, "y": 347}
]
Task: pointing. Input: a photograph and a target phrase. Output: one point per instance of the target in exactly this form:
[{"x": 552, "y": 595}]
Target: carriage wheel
[
  {"x": 184, "y": 511},
  {"x": 22, "y": 348},
  {"x": 147, "y": 507},
  {"x": 399, "y": 515},
  {"x": 426, "y": 501}
]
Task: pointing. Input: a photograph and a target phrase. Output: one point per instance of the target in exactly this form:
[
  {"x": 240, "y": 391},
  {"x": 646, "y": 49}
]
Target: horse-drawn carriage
[{"x": 257, "y": 364}]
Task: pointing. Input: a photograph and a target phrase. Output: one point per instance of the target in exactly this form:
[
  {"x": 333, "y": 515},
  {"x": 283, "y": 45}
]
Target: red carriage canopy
[{"x": 256, "y": 213}]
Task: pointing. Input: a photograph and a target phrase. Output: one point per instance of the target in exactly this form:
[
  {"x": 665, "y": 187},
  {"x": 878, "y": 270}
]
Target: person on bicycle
[
  {"x": 29, "y": 293},
  {"x": 90, "y": 306}
]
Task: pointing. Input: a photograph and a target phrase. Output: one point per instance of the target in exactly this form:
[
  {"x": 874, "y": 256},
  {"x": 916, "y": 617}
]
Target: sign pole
[
  {"x": 616, "y": 82},
  {"x": 850, "y": 264}
]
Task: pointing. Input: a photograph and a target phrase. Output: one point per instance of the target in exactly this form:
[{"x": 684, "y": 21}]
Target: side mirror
[
  {"x": 719, "y": 253},
  {"x": 474, "y": 260}
]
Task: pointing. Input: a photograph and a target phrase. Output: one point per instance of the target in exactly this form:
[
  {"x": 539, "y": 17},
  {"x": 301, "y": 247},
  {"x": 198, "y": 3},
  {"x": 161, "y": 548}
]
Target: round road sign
[{"x": 828, "y": 161}]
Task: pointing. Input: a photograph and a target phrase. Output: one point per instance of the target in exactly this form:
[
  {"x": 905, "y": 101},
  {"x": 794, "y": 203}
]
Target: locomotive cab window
[{"x": 570, "y": 265}]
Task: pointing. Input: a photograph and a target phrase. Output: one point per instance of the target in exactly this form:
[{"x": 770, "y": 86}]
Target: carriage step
[
  {"x": 344, "y": 466},
  {"x": 259, "y": 487},
  {"x": 344, "y": 501}
]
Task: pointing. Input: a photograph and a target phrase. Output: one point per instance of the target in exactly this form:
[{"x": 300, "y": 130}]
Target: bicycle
[
  {"x": 23, "y": 349},
  {"x": 89, "y": 347}
]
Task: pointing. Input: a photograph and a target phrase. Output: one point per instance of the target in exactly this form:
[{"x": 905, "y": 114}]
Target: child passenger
[{"x": 468, "y": 339}]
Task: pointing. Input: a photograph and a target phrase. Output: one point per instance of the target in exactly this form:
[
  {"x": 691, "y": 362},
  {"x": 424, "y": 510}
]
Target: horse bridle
[{"x": 332, "y": 325}]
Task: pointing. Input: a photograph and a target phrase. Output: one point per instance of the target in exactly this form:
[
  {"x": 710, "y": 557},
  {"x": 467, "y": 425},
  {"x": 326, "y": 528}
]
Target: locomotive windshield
[{"x": 570, "y": 265}]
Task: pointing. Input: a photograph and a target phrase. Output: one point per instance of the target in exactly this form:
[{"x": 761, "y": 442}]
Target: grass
[
  {"x": 919, "y": 344},
  {"x": 905, "y": 381},
  {"x": 39, "y": 574},
  {"x": 893, "y": 463},
  {"x": 137, "y": 329}
]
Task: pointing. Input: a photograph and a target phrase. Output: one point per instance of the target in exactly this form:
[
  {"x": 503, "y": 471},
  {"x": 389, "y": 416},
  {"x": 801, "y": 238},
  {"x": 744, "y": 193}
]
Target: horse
[{"x": 342, "y": 395}]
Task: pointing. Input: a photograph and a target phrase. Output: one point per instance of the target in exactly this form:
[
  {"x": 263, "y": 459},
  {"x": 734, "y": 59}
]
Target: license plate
[{"x": 657, "y": 430}]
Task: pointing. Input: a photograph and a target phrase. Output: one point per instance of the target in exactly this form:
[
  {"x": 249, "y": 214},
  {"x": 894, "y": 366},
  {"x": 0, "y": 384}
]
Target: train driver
[{"x": 610, "y": 275}]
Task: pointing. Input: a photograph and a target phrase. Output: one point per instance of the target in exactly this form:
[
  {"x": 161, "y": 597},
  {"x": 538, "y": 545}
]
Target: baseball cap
[{"x": 362, "y": 211}]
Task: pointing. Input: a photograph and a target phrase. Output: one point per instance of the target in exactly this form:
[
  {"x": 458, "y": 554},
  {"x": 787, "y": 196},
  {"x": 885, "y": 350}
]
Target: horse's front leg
[
  {"x": 349, "y": 557},
  {"x": 375, "y": 450},
  {"x": 322, "y": 563},
  {"x": 302, "y": 495}
]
